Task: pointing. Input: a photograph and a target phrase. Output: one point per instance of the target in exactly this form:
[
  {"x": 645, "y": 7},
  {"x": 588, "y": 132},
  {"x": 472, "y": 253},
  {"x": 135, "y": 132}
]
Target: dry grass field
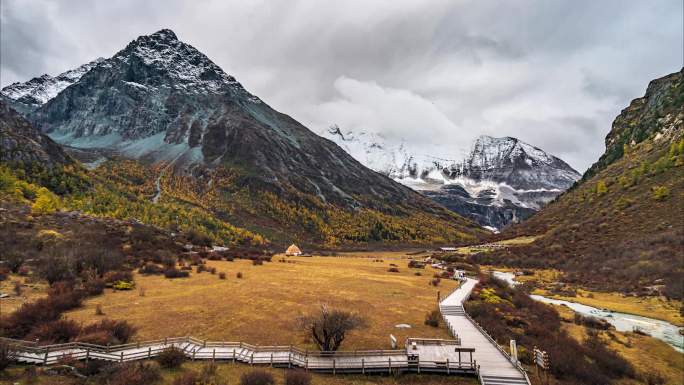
[
  {"x": 262, "y": 307},
  {"x": 30, "y": 291}
]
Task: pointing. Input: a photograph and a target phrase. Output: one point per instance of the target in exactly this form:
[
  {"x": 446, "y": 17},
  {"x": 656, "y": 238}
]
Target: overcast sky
[{"x": 435, "y": 73}]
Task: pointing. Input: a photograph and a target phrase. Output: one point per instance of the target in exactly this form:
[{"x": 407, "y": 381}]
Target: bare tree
[{"x": 328, "y": 327}]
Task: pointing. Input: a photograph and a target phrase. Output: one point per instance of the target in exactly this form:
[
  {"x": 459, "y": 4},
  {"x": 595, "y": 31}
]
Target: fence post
[
  {"x": 138, "y": 345},
  {"x": 333, "y": 366},
  {"x": 87, "y": 354},
  {"x": 149, "y": 352},
  {"x": 204, "y": 343},
  {"x": 47, "y": 352},
  {"x": 363, "y": 366},
  {"x": 448, "y": 366},
  {"x": 233, "y": 355},
  {"x": 213, "y": 356},
  {"x": 107, "y": 347},
  {"x": 271, "y": 359},
  {"x": 121, "y": 356},
  {"x": 306, "y": 364},
  {"x": 166, "y": 340},
  {"x": 251, "y": 359},
  {"x": 389, "y": 370},
  {"x": 418, "y": 363}
]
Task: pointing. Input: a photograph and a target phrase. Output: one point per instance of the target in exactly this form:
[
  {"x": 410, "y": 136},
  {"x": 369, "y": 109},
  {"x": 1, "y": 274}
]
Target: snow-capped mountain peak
[
  {"x": 487, "y": 150},
  {"x": 183, "y": 67},
  {"x": 500, "y": 180},
  {"x": 40, "y": 89}
]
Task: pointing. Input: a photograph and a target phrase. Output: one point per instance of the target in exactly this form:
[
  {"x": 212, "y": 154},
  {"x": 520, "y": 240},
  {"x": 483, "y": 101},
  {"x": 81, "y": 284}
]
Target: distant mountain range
[
  {"x": 161, "y": 102},
  {"x": 500, "y": 181}
]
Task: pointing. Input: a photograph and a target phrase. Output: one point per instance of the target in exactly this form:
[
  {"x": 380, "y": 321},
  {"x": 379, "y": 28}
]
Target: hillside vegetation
[{"x": 621, "y": 227}]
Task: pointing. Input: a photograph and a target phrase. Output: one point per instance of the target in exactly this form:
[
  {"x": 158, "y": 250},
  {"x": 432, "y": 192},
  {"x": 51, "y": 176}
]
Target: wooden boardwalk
[
  {"x": 495, "y": 366},
  {"x": 420, "y": 355},
  {"x": 471, "y": 352}
]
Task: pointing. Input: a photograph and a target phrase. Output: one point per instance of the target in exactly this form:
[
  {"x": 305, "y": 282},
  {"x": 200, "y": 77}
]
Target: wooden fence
[{"x": 360, "y": 361}]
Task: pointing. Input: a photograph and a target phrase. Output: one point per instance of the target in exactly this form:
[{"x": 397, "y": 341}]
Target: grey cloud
[{"x": 553, "y": 73}]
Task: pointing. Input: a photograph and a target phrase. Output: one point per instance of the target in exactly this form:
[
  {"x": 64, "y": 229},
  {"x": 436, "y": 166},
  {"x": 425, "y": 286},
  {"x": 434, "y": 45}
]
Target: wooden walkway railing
[{"x": 360, "y": 361}]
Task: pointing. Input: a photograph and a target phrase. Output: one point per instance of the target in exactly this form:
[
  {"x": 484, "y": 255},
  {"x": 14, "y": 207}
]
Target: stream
[{"x": 622, "y": 322}]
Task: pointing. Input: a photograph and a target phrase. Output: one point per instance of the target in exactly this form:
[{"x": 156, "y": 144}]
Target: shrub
[
  {"x": 435, "y": 282},
  {"x": 201, "y": 268},
  {"x": 123, "y": 285},
  {"x": 111, "y": 277},
  {"x": 208, "y": 373},
  {"x": 175, "y": 273},
  {"x": 393, "y": 270},
  {"x": 297, "y": 377},
  {"x": 418, "y": 273},
  {"x": 239, "y": 274},
  {"x": 107, "y": 331},
  {"x": 151, "y": 269},
  {"x": 187, "y": 378},
  {"x": 212, "y": 270},
  {"x": 98, "y": 310},
  {"x": 134, "y": 373},
  {"x": 94, "y": 286},
  {"x": 93, "y": 367},
  {"x": 432, "y": 318},
  {"x": 222, "y": 275},
  {"x": 591, "y": 322},
  {"x": 55, "y": 332},
  {"x": 257, "y": 262},
  {"x": 257, "y": 377},
  {"x": 660, "y": 193},
  {"x": 171, "y": 357}
]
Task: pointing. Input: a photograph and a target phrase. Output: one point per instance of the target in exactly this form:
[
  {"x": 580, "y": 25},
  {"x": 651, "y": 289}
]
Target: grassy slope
[
  {"x": 622, "y": 237},
  {"x": 621, "y": 227}
]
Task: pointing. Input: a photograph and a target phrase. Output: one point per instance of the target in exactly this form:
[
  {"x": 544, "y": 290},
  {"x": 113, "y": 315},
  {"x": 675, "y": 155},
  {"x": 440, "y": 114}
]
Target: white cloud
[{"x": 395, "y": 113}]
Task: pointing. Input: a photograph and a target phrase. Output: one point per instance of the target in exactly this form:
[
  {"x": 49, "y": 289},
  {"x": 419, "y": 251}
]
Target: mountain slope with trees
[
  {"x": 162, "y": 122},
  {"x": 621, "y": 227}
]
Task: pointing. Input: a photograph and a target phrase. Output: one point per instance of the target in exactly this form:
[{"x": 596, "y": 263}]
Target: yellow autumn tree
[
  {"x": 601, "y": 188},
  {"x": 46, "y": 202}
]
